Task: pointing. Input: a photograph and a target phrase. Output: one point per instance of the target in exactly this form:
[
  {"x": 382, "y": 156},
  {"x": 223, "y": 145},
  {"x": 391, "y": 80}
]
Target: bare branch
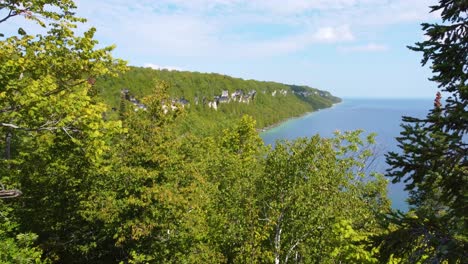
[
  {"x": 10, "y": 125},
  {"x": 44, "y": 127},
  {"x": 11, "y": 14},
  {"x": 4, "y": 194}
]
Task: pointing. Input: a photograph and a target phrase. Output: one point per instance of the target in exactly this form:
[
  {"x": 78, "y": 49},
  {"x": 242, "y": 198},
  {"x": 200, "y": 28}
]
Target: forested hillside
[
  {"x": 94, "y": 168},
  {"x": 213, "y": 101}
]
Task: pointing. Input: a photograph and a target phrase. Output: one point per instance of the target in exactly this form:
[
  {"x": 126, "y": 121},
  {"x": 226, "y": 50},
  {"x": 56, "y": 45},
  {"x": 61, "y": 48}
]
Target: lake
[{"x": 382, "y": 116}]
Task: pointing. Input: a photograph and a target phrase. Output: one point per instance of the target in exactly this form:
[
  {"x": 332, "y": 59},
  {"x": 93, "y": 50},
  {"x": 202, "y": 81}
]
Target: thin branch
[
  {"x": 11, "y": 14},
  {"x": 66, "y": 131},
  {"x": 65, "y": 87},
  {"x": 10, "y": 125},
  {"x": 43, "y": 127},
  {"x": 295, "y": 245},
  {"x": 291, "y": 250}
]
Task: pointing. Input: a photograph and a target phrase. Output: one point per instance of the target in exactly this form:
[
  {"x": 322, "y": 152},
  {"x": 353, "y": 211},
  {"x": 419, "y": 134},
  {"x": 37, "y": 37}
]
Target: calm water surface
[{"x": 382, "y": 116}]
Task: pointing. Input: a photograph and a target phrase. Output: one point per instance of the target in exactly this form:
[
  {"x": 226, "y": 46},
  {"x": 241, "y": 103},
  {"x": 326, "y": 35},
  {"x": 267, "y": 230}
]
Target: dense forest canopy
[
  {"x": 267, "y": 102},
  {"x": 105, "y": 163}
]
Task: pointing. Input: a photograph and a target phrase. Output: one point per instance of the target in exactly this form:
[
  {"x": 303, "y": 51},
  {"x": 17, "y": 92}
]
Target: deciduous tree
[{"x": 51, "y": 124}]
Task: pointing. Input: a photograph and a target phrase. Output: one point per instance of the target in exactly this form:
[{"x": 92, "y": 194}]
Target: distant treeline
[{"x": 272, "y": 102}]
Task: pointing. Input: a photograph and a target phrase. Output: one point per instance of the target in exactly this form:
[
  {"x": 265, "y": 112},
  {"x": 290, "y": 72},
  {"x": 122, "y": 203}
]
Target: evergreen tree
[{"x": 433, "y": 163}]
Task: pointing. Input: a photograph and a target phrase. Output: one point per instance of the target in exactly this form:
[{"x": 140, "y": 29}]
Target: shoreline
[{"x": 277, "y": 124}]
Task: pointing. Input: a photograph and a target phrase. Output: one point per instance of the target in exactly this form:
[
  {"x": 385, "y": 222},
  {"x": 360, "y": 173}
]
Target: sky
[{"x": 352, "y": 48}]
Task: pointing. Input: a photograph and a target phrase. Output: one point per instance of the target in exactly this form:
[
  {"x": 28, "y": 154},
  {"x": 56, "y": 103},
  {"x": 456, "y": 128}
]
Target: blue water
[{"x": 382, "y": 116}]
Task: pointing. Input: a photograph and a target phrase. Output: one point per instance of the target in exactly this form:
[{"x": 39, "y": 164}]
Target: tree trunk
[
  {"x": 8, "y": 145},
  {"x": 278, "y": 239}
]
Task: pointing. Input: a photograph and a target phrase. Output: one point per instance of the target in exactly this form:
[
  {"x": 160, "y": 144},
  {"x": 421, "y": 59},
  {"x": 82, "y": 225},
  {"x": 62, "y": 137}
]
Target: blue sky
[{"x": 352, "y": 48}]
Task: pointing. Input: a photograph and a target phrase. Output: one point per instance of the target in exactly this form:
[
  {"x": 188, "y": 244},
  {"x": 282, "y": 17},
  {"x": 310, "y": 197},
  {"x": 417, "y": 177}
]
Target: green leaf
[{"x": 21, "y": 31}]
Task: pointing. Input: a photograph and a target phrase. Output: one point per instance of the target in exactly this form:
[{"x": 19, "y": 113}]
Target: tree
[
  {"x": 38, "y": 11},
  {"x": 52, "y": 122},
  {"x": 234, "y": 217},
  {"x": 197, "y": 87},
  {"x": 149, "y": 205},
  {"x": 46, "y": 81},
  {"x": 311, "y": 188},
  {"x": 16, "y": 247},
  {"x": 434, "y": 158}
]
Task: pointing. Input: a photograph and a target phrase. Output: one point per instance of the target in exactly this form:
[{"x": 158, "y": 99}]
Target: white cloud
[
  {"x": 292, "y": 43},
  {"x": 159, "y": 67},
  {"x": 334, "y": 34},
  {"x": 238, "y": 28},
  {"x": 370, "y": 47}
]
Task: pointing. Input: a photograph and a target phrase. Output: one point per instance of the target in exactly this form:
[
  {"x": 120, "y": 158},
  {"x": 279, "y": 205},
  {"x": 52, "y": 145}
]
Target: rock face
[
  {"x": 213, "y": 104},
  {"x": 237, "y": 96},
  {"x": 225, "y": 97},
  {"x": 182, "y": 102}
]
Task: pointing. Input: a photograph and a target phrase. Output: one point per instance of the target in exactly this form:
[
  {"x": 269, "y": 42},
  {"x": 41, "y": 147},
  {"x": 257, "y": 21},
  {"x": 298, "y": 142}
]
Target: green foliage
[
  {"x": 39, "y": 11},
  {"x": 151, "y": 201},
  {"x": 234, "y": 217},
  {"x": 56, "y": 136},
  {"x": 433, "y": 163},
  {"x": 144, "y": 186},
  {"x": 309, "y": 185},
  {"x": 16, "y": 247},
  {"x": 350, "y": 245},
  {"x": 223, "y": 199},
  {"x": 266, "y": 109}
]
